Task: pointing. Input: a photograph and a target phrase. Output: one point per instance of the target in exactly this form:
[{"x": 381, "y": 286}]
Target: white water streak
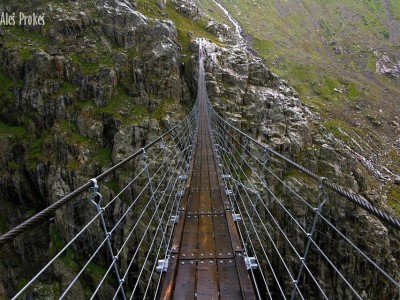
[{"x": 238, "y": 28}]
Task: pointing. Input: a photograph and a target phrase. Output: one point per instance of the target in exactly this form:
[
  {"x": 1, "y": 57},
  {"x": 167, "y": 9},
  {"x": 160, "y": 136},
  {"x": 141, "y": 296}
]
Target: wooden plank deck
[{"x": 206, "y": 245}]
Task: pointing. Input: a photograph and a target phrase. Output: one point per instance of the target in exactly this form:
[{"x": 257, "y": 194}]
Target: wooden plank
[
  {"x": 205, "y": 202},
  {"x": 228, "y": 280},
  {"x": 169, "y": 279},
  {"x": 208, "y": 229},
  {"x": 244, "y": 278},
  {"x": 207, "y": 280},
  {"x": 193, "y": 202},
  {"x": 216, "y": 201},
  {"x": 205, "y": 241},
  {"x": 185, "y": 280},
  {"x": 185, "y": 198},
  {"x": 176, "y": 242},
  {"x": 223, "y": 243},
  {"x": 196, "y": 181},
  {"x": 188, "y": 246},
  {"x": 233, "y": 232}
]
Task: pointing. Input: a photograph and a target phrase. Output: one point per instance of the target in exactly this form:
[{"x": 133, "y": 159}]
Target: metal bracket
[
  {"x": 250, "y": 262},
  {"x": 182, "y": 177},
  {"x": 174, "y": 219},
  {"x": 236, "y": 217},
  {"x": 162, "y": 265}
]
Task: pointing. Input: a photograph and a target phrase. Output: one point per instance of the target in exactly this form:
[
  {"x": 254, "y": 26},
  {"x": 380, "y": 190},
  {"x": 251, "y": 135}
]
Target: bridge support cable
[
  {"x": 232, "y": 166},
  {"x": 322, "y": 198},
  {"x": 236, "y": 210},
  {"x": 357, "y": 199},
  {"x": 310, "y": 240},
  {"x": 299, "y": 197},
  {"x": 47, "y": 213},
  {"x": 245, "y": 160},
  {"x": 253, "y": 190},
  {"x": 134, "y": 219}
]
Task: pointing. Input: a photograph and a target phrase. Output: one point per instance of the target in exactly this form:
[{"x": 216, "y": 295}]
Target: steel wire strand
[
  {"x": 349, "y": 241},
  {"x": 177, "y": 167},
  {"x": 146, "y": 259},
  {"x": 144, "y": 188},
  {"x": 265, "y": 186},
  {"x": 176, "y": 179},
  {"x": 382, "y": 215},
  {"x": 177, "y": 200},
  {"x": 283, "y": 207},
  {"x": 56, "y": 256},
  {"x": 259, "y": 239},
  {"x": 241, "y": 235},
  {"x": 169, "y": 244},
  {"x": 108, "y": 236},
  {"x": 49, "y": 211},
  {"x": 138, "y": 221},
  {"x": 75, "y": 279},
  {"x": 131, "y": 232},
  {"x": 360, "y": 251},
  {"x": 286, "y": 238},
  {"x": 271, "y": 172},
  {"x": 252, "y": 246},
  {"x": 154, "y": 159},
  {"x": 333, "y": 266},
  {"x": 253, "y": 189},
  {"x": 135, "y": 202},
  {"x": 165, "y": 233},
  {"x": 141, "y": 192},
  {"x": 331, "y": 263}
]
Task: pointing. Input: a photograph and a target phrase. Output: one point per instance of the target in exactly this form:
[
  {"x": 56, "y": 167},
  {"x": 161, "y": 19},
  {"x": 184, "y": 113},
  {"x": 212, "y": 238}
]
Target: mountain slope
[{"x": 330, "y": 51}]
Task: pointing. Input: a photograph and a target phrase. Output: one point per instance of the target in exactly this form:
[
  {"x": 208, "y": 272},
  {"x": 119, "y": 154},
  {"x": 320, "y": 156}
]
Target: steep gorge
[{"x": 101, "y": 79}]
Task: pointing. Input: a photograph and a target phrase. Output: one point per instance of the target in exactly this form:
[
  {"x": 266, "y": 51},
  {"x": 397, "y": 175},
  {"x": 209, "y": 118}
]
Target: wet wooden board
[
  {"x": 244, "y": 278},
  {"x": 193, "y": 202},
  {"x": 206, "y": 243},
  {"x": 185, "y": 281},
  {"x": 223, "y": 243},
  {"x": 229, "y": 287},
  {"x": 207, "y": 282},
  {"x": 188, "y": 247},
  {"x": 176, "y": 242}
]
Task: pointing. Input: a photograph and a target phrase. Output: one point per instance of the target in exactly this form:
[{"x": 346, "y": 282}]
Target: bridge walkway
[{"x": 206, "y": 259}]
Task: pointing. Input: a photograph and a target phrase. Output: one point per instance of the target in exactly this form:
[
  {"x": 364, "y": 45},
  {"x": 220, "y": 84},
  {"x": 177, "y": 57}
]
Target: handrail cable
[
  {"x": 49, "y": 211},
  {"x": 382, "y": 215},
  {"x": 307, "y": 204}
]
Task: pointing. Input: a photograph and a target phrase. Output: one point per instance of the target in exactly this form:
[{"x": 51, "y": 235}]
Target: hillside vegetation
[{"x": 328, "y": 51}]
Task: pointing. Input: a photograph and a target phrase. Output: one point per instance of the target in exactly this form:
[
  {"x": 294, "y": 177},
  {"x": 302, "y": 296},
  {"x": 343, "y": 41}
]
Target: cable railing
[
  {"x": 111, "y": 236},
  {"x": 304, "y": 236}
]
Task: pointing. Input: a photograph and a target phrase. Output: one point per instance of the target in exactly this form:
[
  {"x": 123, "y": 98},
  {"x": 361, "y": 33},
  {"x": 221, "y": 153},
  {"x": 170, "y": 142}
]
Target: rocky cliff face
[
  {"x": 251, "y": 97},
  {"x": 94, "y": 84},
  {"x": 101, "y": 79}
]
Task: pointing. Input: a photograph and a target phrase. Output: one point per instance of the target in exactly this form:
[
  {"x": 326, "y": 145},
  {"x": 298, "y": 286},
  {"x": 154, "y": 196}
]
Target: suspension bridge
[{"x": 204, "y": 211}]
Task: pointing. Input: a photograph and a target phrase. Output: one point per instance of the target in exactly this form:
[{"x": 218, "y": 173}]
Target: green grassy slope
[{"x": 297, "y": 39}]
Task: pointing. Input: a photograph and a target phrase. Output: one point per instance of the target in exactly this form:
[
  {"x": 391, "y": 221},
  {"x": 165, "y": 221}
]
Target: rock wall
[
  {"x": 251, "y": 97},
  {"x": 95, "y": 84},
  {"x": 100, "y": 80}
]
